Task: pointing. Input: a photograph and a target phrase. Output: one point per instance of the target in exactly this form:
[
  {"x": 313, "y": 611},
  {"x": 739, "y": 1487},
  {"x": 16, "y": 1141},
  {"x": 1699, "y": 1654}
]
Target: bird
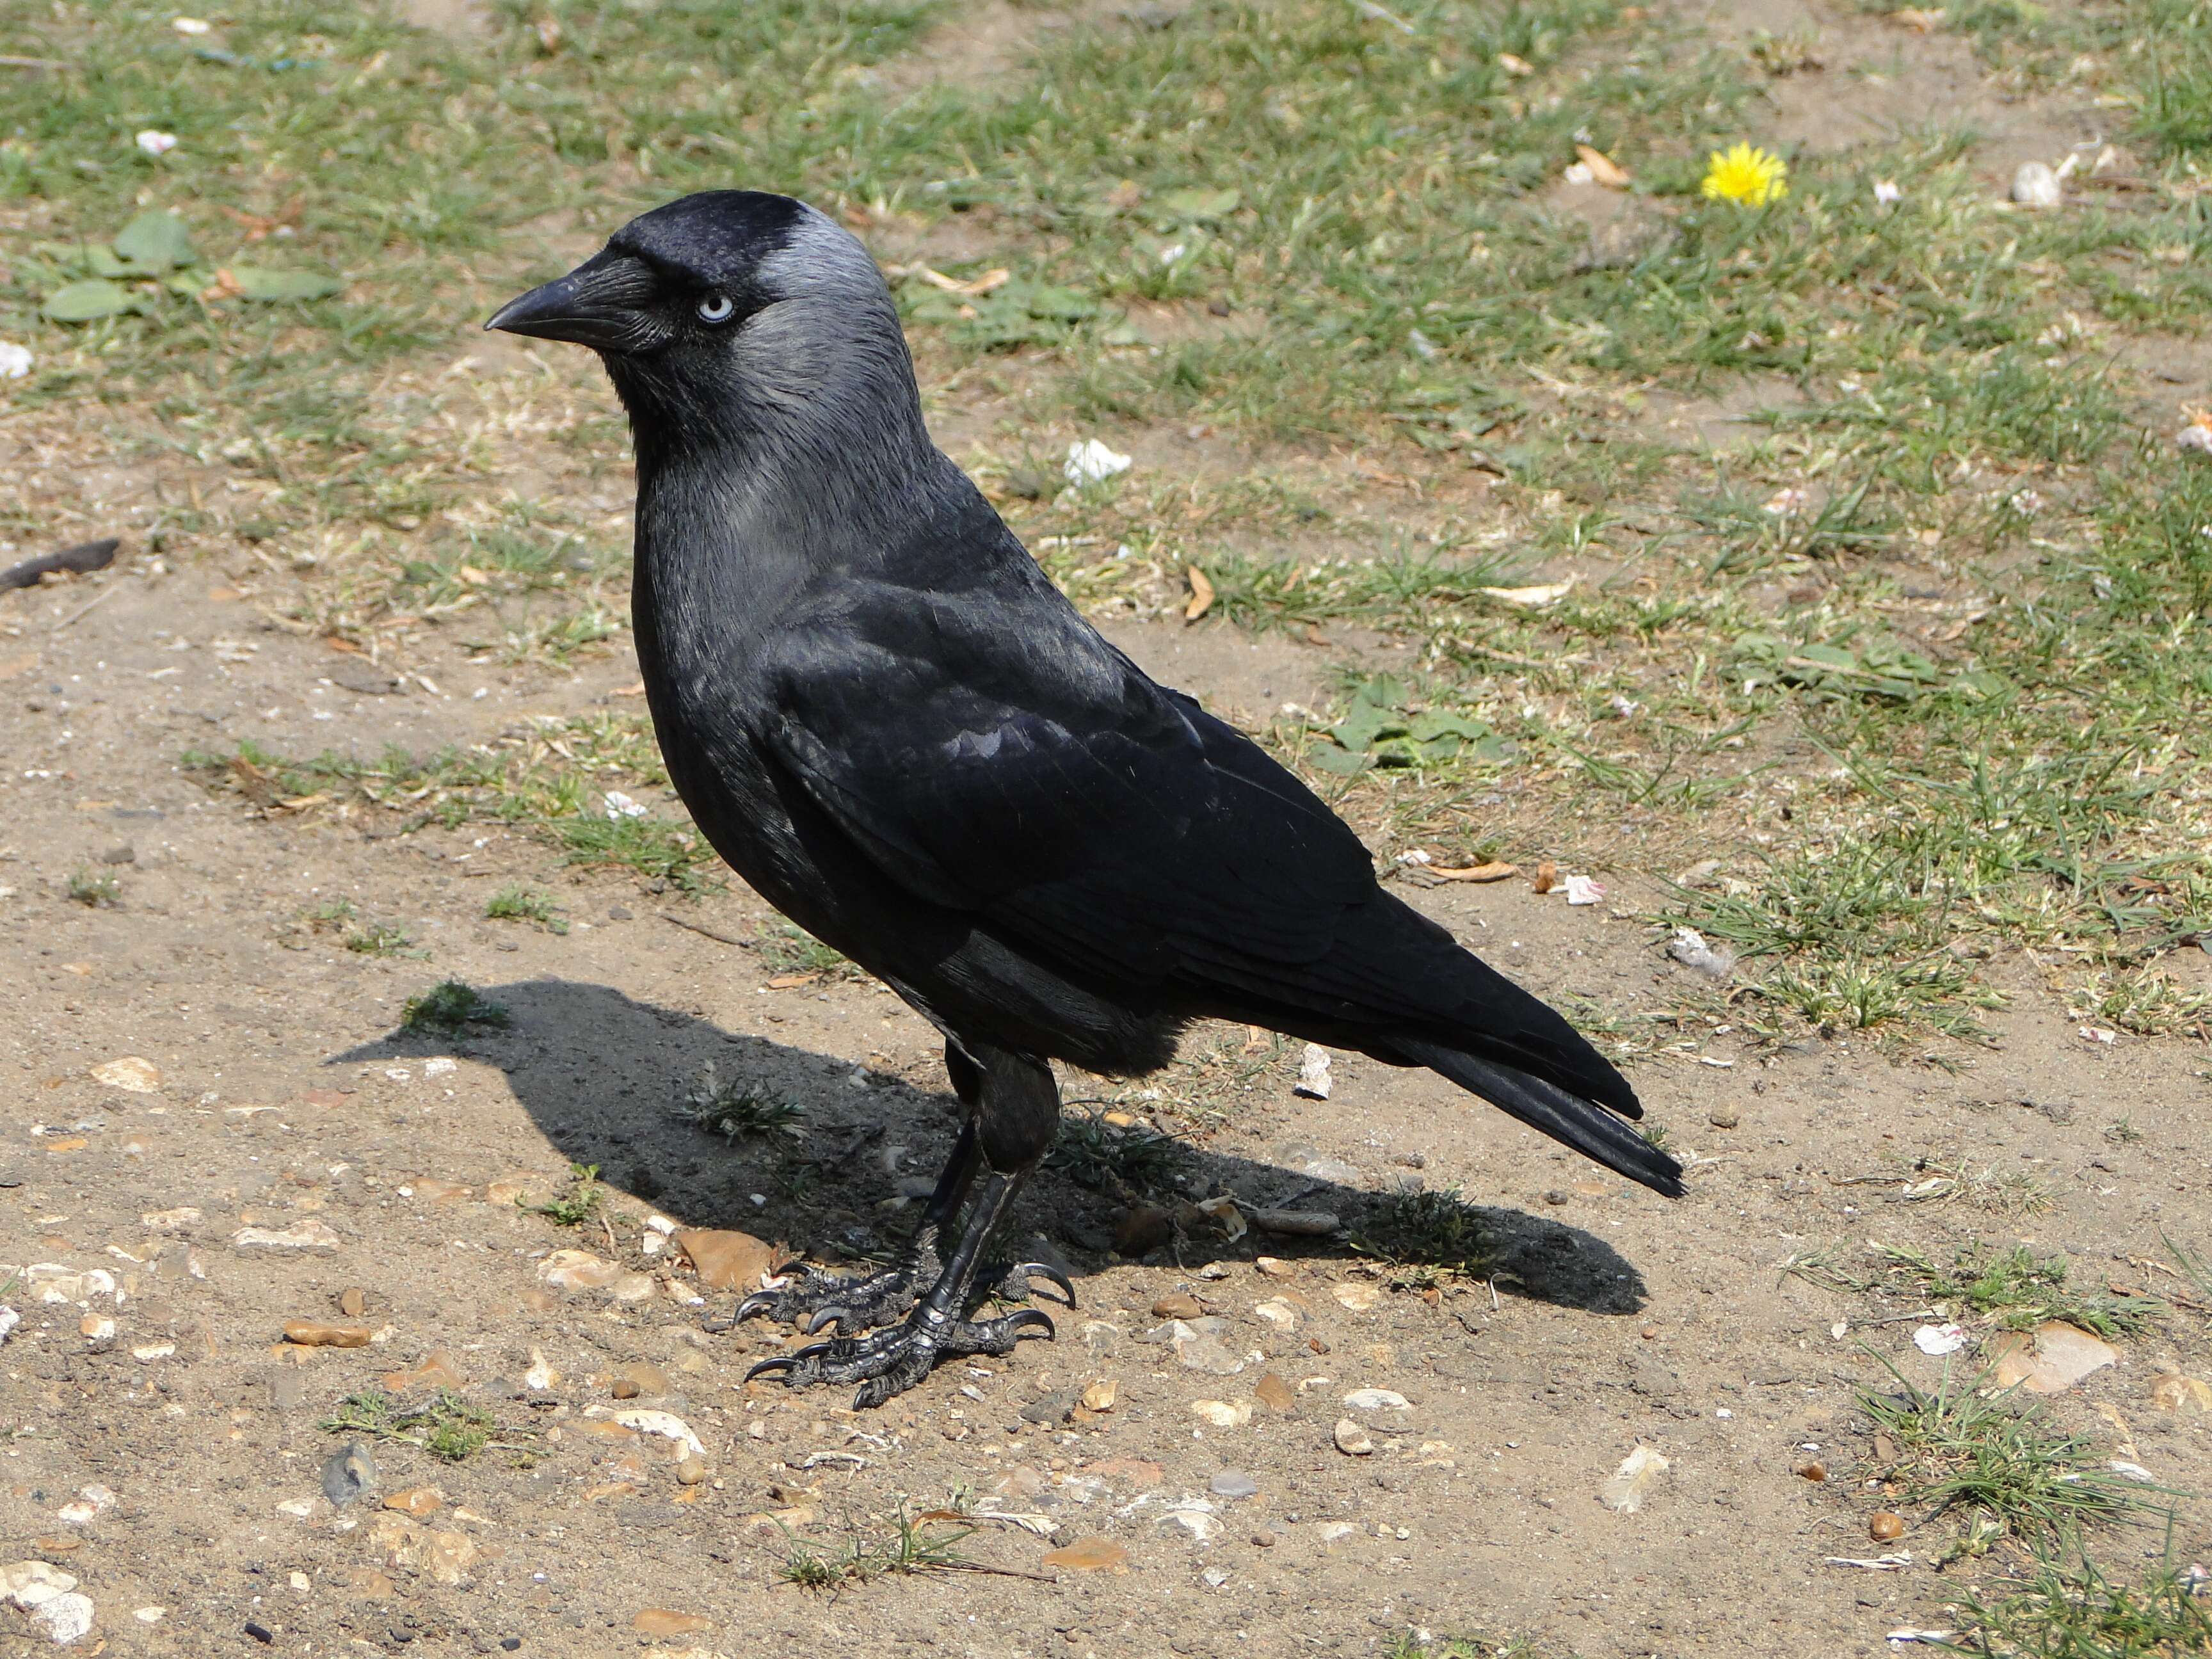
[{"x": 888, "y": 720}]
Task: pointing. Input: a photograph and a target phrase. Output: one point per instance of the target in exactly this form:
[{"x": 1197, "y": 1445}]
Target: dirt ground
[{"x": 164, "y": 1445}]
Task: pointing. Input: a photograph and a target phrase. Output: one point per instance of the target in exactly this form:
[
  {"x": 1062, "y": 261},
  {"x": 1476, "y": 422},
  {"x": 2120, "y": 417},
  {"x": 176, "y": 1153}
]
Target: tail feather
[{"x": 1590, "y": 1129}]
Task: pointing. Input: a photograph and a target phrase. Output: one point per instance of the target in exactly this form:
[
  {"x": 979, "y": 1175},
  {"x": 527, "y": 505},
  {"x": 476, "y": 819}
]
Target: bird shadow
[{"x": 602, "y": 1076}]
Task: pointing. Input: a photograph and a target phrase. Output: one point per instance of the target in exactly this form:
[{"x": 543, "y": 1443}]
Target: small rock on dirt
[
  {"x": 309, "y": 1235},
  {"x": 349, "y": 1474},
  {"x": 416, "y": 1500},
  {"x": 2051, "y": 1359},
  {"x": 2173, "y": 1392},
  {"x": 307, "y": 1334},
  {"x": 1089, "y": 1554},
  {"x": 726, "y": 1259},
  {"x": 353, "y": 1302},
  {"x": 1353, "y": 1440},
  {"x": 666, "y": 1621},
  {"x": 1233, "y": 1483},
  {"x": 1631, "y": 1483},
  {"x": 1275, "y": 1394},
  {"x": 1886, "y": 1526}
]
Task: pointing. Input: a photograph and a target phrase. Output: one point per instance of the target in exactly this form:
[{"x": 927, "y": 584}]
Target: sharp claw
[
  {"x": 827, "y": 1317},
  {"x": 811, "y": 1350},
  {"x": 782, "y": 1362},
  {"x": 1050, "y": 1274},
  {"x": 1024, "y": 1318},
  {"x": 759, "y": 1302},
  {"x": 795, "y": 1264}
]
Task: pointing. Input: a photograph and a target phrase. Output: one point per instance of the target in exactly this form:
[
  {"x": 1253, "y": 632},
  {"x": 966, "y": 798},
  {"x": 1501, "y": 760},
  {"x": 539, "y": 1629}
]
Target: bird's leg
[
  {"x": 853, "y": 1303},
  {"x": 890, "y": 1362},
  {"x": 1020, "y": 1111}
]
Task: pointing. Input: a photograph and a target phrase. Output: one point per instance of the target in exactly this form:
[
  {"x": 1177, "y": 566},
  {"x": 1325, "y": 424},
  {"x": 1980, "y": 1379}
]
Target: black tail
[{"x": 1568, "y": 1119}]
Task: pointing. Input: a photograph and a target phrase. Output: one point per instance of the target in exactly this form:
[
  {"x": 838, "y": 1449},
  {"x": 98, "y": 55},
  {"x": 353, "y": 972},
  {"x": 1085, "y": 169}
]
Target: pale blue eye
[{"x": 717, "y": 308}]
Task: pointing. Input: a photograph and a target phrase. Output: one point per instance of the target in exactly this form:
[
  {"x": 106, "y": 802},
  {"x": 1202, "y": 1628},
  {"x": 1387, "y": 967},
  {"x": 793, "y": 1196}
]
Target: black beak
[{"x": 603, "y": 304}]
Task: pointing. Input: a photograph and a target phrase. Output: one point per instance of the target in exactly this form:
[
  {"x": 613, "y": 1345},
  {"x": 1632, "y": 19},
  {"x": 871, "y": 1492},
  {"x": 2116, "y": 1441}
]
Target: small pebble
[
  {"x": 624, "y": 1388},
  {"x": 1813, "y": 1470},
  {"x": 1723, "y": 1118},
  {"x": 690, "y": 1472},
  {"x": 1352, "y": 1440},
  {"x": 1233, "y": 1483},
  {"x": 353, "y": 1302},
  {"x": 349, "y": 1474},
  {"x": 260, "y": 1633},
  {"x": 1555, "y": 1196},
  {"x": 1886, "y": 1527},
  {"x": 1264, "y": 1539},
  {"x": 1180, "y": 1304}
]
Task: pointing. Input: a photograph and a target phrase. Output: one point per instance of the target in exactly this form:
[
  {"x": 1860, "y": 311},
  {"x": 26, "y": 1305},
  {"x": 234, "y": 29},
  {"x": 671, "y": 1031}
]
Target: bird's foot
[
  {"x": 890, "y": 1362},
  {"x": 851, "y": 1302},
  {"x": 1012, "y": 1283}
]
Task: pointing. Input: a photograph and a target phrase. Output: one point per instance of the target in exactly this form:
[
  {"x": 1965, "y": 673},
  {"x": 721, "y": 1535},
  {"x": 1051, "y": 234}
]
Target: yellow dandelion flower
[{"x": 1749, "y": 177}]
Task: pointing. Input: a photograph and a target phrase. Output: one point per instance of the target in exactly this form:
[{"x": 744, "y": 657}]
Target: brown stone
[
  {"x": 353, "y": 1302},
  {"x": 726, "y": 1259},
  {"x": 416, "y": 1500},
  {"x": 1091, "y": 1554},
  {"x": 666, "y": 1621},
  {"x": 1274, "y": 1394},
  {"x": 1886, "y": 1527},
  {"x": 622, "y": 1388},
  {"x": 439, "y": 1369},
  {"x": 308, "y": 1334},
  {"x": 643, "y": 1377},
  {"x": 432, "y": 1191},
  {"x": 1134, "y": 1474},
  {"x": 1178, "y": 1304}
]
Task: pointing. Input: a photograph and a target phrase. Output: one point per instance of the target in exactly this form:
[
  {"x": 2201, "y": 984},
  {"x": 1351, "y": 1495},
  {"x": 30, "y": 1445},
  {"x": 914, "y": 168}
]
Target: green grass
[
  {"x": 2067, "y": 1607},
  {"x": 451, "y": 1429},
  {"x": 525, "y": 904},
  {"x": 735, "y": 1109},
  {"x": 2019, "y": 1289},
  {"x": 581, "y": 1199},
  {"x": 450, "y": 1008},
  {"x": 1999, "y": 1462},
  {"x": 899, "y": 1544},
  {"x": 1130, "y": 1159},
  {"x": 96, "y": 890},
  {"x": 785, "y": 947},
  {"x": 1425, "y": 1238}
]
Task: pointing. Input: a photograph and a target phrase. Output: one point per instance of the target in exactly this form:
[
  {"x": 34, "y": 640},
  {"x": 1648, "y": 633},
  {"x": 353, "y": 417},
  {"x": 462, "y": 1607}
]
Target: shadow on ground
[{"x": 600, "y": 1073}]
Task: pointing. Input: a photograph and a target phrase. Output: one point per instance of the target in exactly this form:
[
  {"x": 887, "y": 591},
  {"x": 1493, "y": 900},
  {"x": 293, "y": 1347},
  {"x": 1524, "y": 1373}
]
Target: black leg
[
  {"x": 861, "y": 1302},
  {"x": 1018, "y": 1109}
]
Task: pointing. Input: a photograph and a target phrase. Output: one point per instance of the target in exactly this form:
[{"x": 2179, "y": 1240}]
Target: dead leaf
[
  {"x": 1546, "y": 877},
  {"x": 975, "y": 288},
  {"x": 1542, "y": 594},
  {"x": 1603, "y": 169},
  {"x": 1919, "y": 20},
  {"x": 1496, "y": 869},
  {"x": 1201, "y": 594}
]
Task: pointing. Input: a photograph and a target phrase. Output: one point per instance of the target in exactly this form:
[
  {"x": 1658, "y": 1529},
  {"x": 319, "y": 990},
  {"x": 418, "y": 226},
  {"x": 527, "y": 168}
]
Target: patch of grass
[
  {"x": 1120, "y": 1158},
  {"x": 2143, "y": 1000},
  {"x": 1425, "y": 1238},
  {"x": 2019, "y": 1290},
  {"x": 785, "y": 947},
  {"x": 449, "y": 1008},
  {"x": 734, "y": 1109},
  {"x": 96, "y": 890},
  {"x": 1412, "y": 1646},
  {"x": 575, "y": 1204},
  {"x": 901, "y": 1544},
  {"x": 2070, "y": 1607},
  {"x": 525, "y": 904},
  {"x": 448, "y": 1427},
  {"x": 380, "y": 938},
  {"x": 2002, "y": 1462}
]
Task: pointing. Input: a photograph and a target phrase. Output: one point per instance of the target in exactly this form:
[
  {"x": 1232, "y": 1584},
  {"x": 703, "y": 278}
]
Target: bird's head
[{"x": 727, "y": 302}]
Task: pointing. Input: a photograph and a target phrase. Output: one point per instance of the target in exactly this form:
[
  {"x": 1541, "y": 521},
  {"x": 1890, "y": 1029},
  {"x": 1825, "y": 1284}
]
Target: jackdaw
[{"x": 894, "y": 726}]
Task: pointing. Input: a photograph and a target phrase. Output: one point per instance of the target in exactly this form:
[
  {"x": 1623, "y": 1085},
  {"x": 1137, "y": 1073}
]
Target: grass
[
  {"x": 2067, "y": 1607},
  {"x": 580, "y": 1201},
  {"x": 450, "y": 1008},
  {"x": 735, "y": 1109},
  {"x": 1120, "y": 1158},
  {"x": 2018, "y": 1290},
  {"x": 448, "y": 1427},
  {"x": 2000, "y": 1463},
  {"x": 1425, "y": 1238},
  {"x": 784, "y": 948},
  {"x": 525, "y": 904},
  {"x": 900, "y": 1544},
  {"x": 540, "y": 778},
  {"x": 96, "y": 890}
]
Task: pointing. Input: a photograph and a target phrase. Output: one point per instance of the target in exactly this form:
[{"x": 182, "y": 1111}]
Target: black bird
[{"x": 904, "y": 736}]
